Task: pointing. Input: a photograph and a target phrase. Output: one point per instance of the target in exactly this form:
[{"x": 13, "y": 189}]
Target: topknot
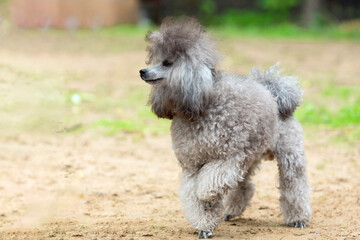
[{"x": 176, "y": 36}]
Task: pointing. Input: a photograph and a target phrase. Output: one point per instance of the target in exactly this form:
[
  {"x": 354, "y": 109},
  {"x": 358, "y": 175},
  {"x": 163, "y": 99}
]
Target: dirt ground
[{"x": 87, "y": 185}]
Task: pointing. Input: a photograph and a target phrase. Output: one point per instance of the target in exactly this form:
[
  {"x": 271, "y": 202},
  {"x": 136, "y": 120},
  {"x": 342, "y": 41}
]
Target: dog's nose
[{"x": 142, "y": 72}]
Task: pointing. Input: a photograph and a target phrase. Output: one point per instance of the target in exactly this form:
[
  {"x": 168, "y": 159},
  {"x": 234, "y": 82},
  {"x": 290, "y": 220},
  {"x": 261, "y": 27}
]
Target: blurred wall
[{"x": 72, "y": 14}]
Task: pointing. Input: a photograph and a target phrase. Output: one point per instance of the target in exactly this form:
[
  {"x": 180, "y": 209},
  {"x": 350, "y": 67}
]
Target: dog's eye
[{"x": 167, "y": 63}]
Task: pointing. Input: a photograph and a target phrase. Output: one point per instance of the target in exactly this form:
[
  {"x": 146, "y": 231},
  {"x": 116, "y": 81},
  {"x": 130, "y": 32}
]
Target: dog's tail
[{"x": 285, "y": 89}]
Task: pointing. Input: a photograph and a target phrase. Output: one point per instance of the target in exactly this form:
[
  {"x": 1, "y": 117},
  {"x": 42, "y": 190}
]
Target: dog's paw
[
  {"x": 298, "y": 224},
  {"x": 205, "y": 234},
  {"x": 228, "y": 217}
]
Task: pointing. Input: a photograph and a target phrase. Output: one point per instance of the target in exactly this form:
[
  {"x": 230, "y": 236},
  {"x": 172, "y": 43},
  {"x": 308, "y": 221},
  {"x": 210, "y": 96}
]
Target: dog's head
[
  {"x": 183, "y": 59},
  {"x": 179, "y": 49}
]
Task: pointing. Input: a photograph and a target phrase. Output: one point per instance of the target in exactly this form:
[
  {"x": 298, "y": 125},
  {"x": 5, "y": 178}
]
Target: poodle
[{"x": 223, "y": 125}]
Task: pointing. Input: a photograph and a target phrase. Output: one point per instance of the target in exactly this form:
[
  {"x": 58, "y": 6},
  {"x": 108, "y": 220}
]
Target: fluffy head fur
[
  {"x": 186, "y": 86},
  {"x": 181, "y": 37}
]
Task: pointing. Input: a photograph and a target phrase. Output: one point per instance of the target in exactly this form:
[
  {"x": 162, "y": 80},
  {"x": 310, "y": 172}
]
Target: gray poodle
[{"x": 223, "y": 125}]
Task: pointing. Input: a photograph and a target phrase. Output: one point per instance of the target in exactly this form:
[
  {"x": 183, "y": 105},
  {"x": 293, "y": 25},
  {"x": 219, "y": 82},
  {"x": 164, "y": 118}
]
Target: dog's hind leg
[
  {"x": 290, "y": 155},
  {"x": 237, "y": 199},
  {"x": 202, "y": 215}
]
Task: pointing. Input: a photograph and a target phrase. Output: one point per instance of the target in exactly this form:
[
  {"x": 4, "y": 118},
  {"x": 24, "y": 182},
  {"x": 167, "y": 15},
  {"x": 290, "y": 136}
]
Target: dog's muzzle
[
  {"x": 148, "y": 78},
  {"x": 143, "y": 73}
]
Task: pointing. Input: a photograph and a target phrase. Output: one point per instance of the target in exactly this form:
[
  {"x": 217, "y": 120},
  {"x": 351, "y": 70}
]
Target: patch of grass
[
  {"x": 345, "y": 116},
  {"x": 111, "y": 127},
  {"x": 346, "y": 113},
  {"x": 320, "y": 166},
  {"x": 133, "y": 115},
  {"x": 339, "y": 110},
  {"x": 273, "y": 20},
  {"x": 280, "y": 30},
  {"x": 286, "y": 30},
  {"x": 158, "y": 227}
]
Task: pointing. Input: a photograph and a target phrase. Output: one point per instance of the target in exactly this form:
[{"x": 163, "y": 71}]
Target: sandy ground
[{"x": 90, "y": 186}]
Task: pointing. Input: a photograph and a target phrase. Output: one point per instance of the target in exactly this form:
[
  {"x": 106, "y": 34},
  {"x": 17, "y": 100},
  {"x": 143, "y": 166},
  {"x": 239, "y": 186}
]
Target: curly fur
[
  {"x": 285, "y": 89},
  {"x": 223, "y": 125}
]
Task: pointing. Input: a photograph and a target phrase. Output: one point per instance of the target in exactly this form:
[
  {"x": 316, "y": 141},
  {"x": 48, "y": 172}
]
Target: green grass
[
  {"x": 286, "y": 30},
  {"x": 158, "y": 227},
  {"x": 345, "y": 116},
  {"x": 142, "y": 126},
  {"x": 345, "y": 113},
  {"x": 282, "y": 30},
  {"x": 133, "y": 115},
  {"x": 339, "y": 109},
  {"x": 127, "y": 113},
  {"x": 276, "y": 22}
]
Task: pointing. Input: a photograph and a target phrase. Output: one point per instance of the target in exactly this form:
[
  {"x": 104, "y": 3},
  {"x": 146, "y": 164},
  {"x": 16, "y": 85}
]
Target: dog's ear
[
  {"x": 187, "y": 94},
  {"x": 195, "y": 91}
]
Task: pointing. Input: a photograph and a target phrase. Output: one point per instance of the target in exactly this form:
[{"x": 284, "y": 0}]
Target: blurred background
[
  {"x": 82, "y": 155},
  {"x": 76, "y": 50}
]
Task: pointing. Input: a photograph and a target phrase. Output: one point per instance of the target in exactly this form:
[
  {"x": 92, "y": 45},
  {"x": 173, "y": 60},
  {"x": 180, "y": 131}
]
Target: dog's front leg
[
  {"x": 215, "y": 178},
  {"x": 202, "y": 215}
]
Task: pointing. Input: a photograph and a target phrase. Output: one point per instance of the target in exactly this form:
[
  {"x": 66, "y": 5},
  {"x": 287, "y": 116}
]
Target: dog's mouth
[{"x": 154, "y": 81}]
